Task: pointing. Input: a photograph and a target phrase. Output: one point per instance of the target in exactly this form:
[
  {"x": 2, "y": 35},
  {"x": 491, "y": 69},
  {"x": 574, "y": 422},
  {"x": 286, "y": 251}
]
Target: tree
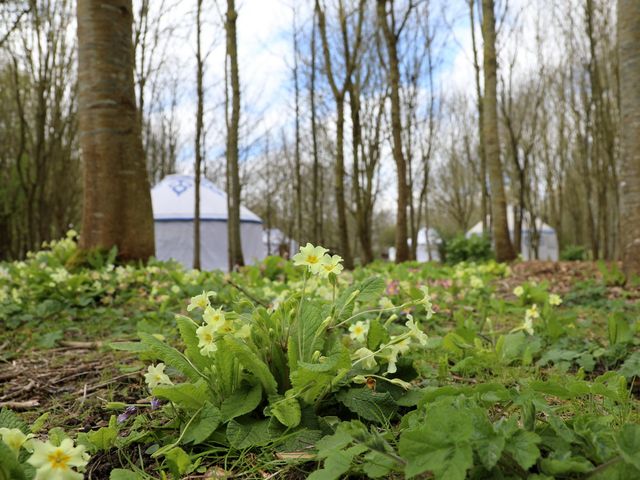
[
  {"x": 503, "y": 246},
  {"x": 391, "y": 33},
  {"x": 629, "y": 45},
  {"x": 233, "y": 126},
  {"x": 198, "y": 139},
  {"x": 339, "y": 91},
  {"x": 117, "y": 199}
]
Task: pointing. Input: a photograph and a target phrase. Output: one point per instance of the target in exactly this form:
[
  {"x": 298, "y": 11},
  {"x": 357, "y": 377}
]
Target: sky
[{"x": 265, "y": 52}]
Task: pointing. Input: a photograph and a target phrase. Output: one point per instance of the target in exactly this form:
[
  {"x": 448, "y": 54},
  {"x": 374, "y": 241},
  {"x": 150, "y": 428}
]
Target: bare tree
[{"x": 504, "y": 248}]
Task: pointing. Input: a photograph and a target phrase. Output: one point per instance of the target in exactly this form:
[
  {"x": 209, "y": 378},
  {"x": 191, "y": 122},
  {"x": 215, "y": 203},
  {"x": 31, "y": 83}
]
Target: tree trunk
[
  {"x": 339, "y": 187},
  {"x": 391, "y": 41},
  {"x": 117, "y": 200},
  {"x": 233, "y": 188},
  {"x": 504, "y": 248},
  {"x": 198, "y": 140},
  {"x": 629, "y": 45},
  {"x": 316, "y": 215}
]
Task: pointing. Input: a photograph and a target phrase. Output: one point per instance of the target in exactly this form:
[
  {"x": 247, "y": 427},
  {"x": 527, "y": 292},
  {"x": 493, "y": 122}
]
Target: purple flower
[
  {"x": 124, "y": 416},
  {"x": 155, "y": 403}
]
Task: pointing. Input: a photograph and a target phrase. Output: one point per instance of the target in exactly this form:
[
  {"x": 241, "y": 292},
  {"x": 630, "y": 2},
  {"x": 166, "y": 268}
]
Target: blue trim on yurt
[{"x": 259, "y": 222}]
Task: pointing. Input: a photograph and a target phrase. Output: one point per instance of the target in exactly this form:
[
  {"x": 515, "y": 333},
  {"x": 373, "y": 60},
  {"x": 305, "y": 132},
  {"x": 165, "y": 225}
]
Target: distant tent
[
  {"x": 277, "y": 243},
  {"x": 547, "y": 240},
  {"x": 428, "y": 246},
  {"x": 173, "y": 201}
]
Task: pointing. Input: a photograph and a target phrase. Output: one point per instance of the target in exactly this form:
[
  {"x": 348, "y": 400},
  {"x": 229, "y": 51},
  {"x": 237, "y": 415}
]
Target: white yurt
[
  {"x": 428, "y": 246},
  {"x": 547, "y": 242},
  {"x": 173, "y": 201},
  {"x": 277, "y": 243}
]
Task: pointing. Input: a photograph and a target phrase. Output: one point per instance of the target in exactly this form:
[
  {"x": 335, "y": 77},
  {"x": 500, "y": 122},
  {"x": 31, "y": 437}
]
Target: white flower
[
  {"x": 518, "y": 291},
  {"x": 386, "y": 303},
  {"x": 358, "y": 331},
  {"x": 14, "y": 438},
  {"x": 206, "y": 336},
  {"x": 328, "y": 264},
  {"x": 392, "y": 351},
  {"x": 532, "y": 312},
  {"x": 213, "y": 316},
  {"x": 309, "y": 256},
  {"x": 554, "y": 300},
  {"x": 366, "y": 357},
  {"x": 155, "y": 376},
  {"x": 426, "y": 301},
  {"x": 200, "y": 301},
  {"x": 54, "y": 463},
  {"x": 416, "y": 333}
]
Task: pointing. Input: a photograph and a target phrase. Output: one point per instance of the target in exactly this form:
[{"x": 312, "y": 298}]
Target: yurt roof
[
  {"x": 173, "y": 199},
  {"x": 541, "y": 227}
]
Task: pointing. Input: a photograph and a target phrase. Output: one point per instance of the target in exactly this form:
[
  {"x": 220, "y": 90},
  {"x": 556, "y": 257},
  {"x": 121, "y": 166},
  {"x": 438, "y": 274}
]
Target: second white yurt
[
  {"x": 173, "y": 201},
  {"x": 545, "y": 239}
]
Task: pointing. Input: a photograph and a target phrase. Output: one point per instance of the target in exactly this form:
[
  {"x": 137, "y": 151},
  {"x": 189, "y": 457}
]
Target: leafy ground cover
[{"x": 306, "y": 371}]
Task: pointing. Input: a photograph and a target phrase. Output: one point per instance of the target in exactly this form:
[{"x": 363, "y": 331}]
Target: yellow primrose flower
[
  {"x": 518, "y": 291},
  {"x": 328, "y": 264},
  {"x": 476, "y": 282},
  {"x": 554, "y": 300},
  {"x": 244, "y": 331},
  {"x": 213, "y": 316},
  {"x": 200, "y": 301},
  {"x": 416, "y": 333},
  {"x": 426, "y": 301},
  {"x": 527, "y": 326},
  {"x": 358, "y": 331},
  {"x": 14, "y": 438},
  {"x": 155, "y": 376},
  {"x": 309, "y": 256},
  {"x": 207, "y": 336},
  {"x": 386, "y": 303},
  {"x": 532, "y": 312},
  {"x": 54, "y": 463},
  {"x": 366, "y": 357}
]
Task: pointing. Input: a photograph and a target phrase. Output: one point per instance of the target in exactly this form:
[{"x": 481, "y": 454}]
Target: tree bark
[
  {"x": 503, "y": 246},
  {"x": 233, "y": 187},
  {"x": 198, "y": 139},
  {"x": 391, "y": 41},
  {"x": 117, "y": 200},
  {"x": 629, "y": 45}
]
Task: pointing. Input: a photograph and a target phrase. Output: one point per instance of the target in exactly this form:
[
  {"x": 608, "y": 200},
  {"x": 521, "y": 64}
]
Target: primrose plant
[{"x": 250, "y": 377}]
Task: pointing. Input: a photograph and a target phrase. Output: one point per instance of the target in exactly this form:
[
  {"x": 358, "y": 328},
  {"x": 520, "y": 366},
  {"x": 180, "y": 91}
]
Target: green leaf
[
  {"x": 440, "y": 445},
  {"x": 522, "y": 446},
  {"x": 203, "y": 425},
  {"x": 187, "y": 329},
  {"x": 628, "y": 441},
  {"x": 9, "y": 419},
  {"x": 304, "y": 336},
  {"x": 251, "y": 362},
  {"x": 103, "y": 439},
  {"x": 631, "y": 366},
  {"x": 170, "y": 356},
  {"x": 187, "y": 395},
  {"x": 337, "y": 463},
  {"x": 377, "y": 335},
  {"x": 39, "y": 422},
  {"x": 248, "y": 432},
  {"x": 179, "y": 460},
  {"x": 122, "y": 474},
  {"x": 371, "y": 289},
  {"x": 370, "y": 405},
  {"x": 566, "y": 463},
  {"x": 487, "y": 443},
  {"x": 137, "y": 347},
  {"x": 377, "y": 465},
  {"x": 10, "y": 468},
  {"x": 287, "y": 411},
  {"x": 243, "y": 400}
]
